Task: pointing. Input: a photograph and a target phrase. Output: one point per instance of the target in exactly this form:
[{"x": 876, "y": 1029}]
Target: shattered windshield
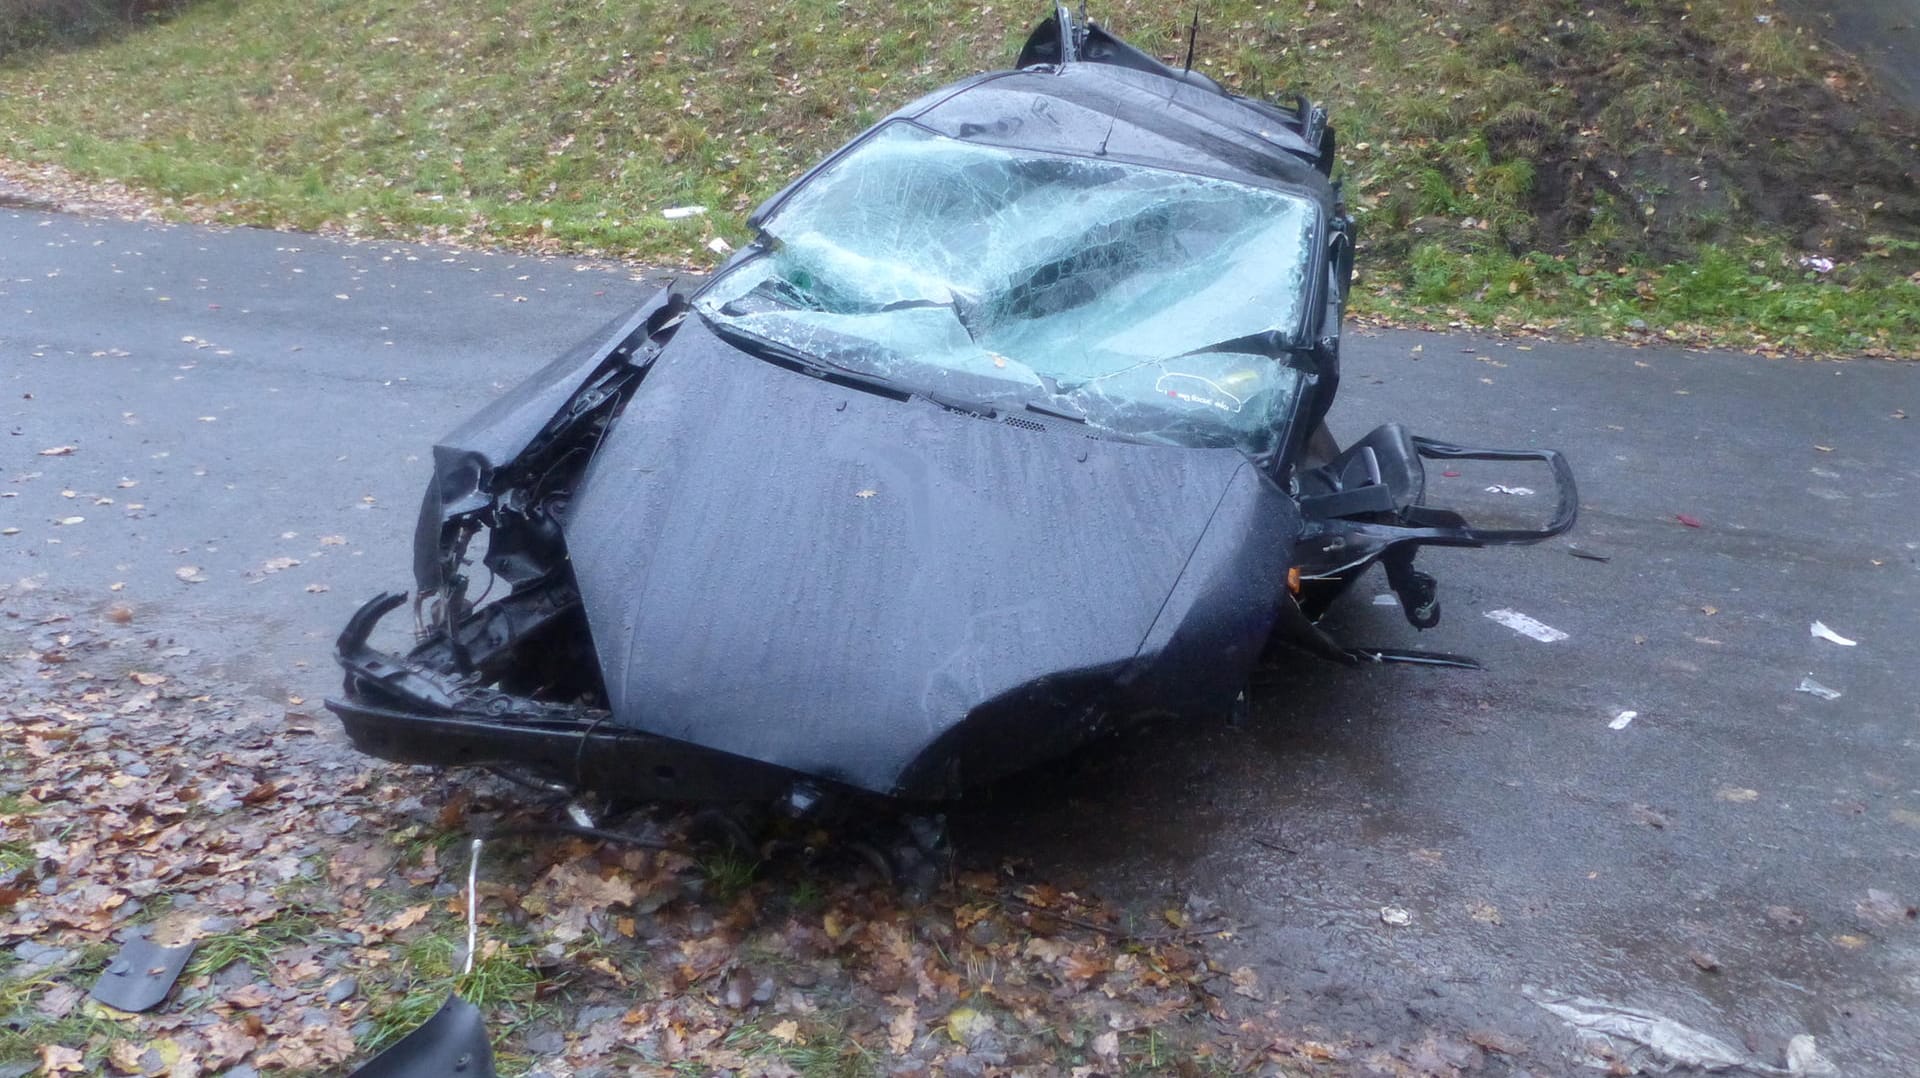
[{"x": 1084, "y": 286}]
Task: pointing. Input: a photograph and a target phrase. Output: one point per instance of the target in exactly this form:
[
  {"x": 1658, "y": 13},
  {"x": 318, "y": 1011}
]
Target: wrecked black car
[{"x": 1007, "y": 430}]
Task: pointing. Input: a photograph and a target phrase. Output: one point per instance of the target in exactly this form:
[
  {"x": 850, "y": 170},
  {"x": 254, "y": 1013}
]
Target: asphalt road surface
[{"x": 1739, "y": 857}]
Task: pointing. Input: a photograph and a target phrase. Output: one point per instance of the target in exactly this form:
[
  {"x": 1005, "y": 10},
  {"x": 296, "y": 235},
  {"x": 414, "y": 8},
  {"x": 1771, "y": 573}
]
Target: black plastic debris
[
  {"x": 451, "y": 1044},
  {"x": 140, "y": 976}
]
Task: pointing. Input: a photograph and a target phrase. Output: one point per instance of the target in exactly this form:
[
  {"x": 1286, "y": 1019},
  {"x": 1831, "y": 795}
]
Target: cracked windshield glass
[{"x": 1080, "y": 285}]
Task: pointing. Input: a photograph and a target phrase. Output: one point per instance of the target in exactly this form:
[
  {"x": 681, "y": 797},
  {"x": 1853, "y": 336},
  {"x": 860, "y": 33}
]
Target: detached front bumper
[{"x": 421, "y": 710}]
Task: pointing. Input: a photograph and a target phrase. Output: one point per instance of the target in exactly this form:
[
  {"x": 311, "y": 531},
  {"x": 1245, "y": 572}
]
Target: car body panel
[{"x": 782, "y": 568}]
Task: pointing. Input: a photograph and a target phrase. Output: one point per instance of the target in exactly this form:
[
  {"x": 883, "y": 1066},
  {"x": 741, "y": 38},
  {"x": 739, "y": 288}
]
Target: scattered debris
[
  {"x": 453, "y": 1042},
  {"x": 1516, "y": 491},
  {"x": 1526, "y": 626},
  {"x": 719, "y": 246},
  {"x": 1813, "y": 688},
  {"x": 1655, "y": 1042},
  {"x": 1650, "y": 816},
  {"x": 1819, "y": 629},
  {"x": 1816, "y": 263},
  {"x": 1880, "y": 907},
  {"x": 676, "y": 213},
  {"x": 1395, "y": 916},
  {"x": 1621, "y": 720},
  {"x": 140, "y": 976},
  {"x": 1705, "y": 960},
  {"x": 1804, "y": 1058},
  {"x": 1588, "y": 553},
  {"x": 1689, "y": 521},
  {"x": 252, "y": 834}
]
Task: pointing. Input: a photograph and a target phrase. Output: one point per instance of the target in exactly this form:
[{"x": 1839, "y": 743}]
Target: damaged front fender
[{"x": 467, "y": 462}]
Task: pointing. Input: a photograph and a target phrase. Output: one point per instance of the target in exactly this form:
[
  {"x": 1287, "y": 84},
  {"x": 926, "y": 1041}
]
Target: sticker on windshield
[{"x": 1193, "y": 389}]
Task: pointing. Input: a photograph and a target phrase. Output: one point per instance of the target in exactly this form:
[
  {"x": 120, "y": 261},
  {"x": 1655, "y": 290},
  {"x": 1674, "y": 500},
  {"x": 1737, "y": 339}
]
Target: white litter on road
[
  {"x": 1498, "y": 489},
  {"x": 719, "y": 246},
  {"x": 1819, "y": 629},
  {"x": 675, "y": 213},
  {"x": 1526, "y": 626},
  {"x": 1814, "y": 688},
  {"x": 1386, "y": 598},
  {"x": 1644, "y": 1041},
  {"x": 1621, "y": 720},
  {"x": 1395, "y": 916}
]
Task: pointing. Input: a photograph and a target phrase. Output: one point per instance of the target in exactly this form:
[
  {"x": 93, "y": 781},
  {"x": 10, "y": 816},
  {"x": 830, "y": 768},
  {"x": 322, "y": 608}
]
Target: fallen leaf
[
  {"x": 900, "y": 1029},
  {"x": 125, "y": 1057},
  {"x": 1107, "y": 1045},
  {"x": 1497, "y": 1042},
  {"x": 965, "y": 1023},
  {"x": 59, "y": 1059},
  {"x": 1736, "y": 794},
  {"x": 1786, "y": 916},
  {"x": 405, "y": 919},
  {"x": 1245, "y": 982},
  {"x": 1691, "y": 522},
  {"x": 786, "y": 1032},
  {"x": 248, "y": 996}
]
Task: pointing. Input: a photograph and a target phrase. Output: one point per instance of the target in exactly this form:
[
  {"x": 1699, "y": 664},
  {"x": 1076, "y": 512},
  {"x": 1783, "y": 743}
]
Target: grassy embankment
[{"x": 1637, "y": 167}]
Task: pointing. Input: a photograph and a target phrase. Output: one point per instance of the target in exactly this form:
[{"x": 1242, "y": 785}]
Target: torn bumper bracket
[{"x": 405, "y": 710}]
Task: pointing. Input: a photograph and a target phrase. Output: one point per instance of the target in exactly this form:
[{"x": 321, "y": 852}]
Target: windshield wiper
[
  {"x": 782, "y": 355},
  {"x": 954, "y": 403},
  {"x": 1272, "y": 343},
  {"x": 1057, "y": 413}
]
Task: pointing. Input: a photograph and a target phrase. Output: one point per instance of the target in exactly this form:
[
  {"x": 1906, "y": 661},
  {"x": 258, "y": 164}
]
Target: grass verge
[{"x": 1579, "y": 166}]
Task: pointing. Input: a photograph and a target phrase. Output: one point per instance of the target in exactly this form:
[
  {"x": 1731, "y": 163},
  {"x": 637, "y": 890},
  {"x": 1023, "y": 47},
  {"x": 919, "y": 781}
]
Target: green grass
[
  {"x": 1752, "y": 295},
  {"x": 23, "y": 1030},
  {"x": 728, "y": 874},
  {"x": 823, "y": 1047},
  {"x": 255, "y": 946},
  {"x": 428, "y": 969},
  {"x": 570, "y": 124}
]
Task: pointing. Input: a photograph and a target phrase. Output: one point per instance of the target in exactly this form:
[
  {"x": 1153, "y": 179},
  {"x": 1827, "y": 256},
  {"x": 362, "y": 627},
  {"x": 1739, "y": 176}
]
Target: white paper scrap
[
  {"x": 675, "y": 213},
  {"x": 1526, "y": 626},
  {"x": 1814, "y": 688},
  {"x": 1819, "y": 629},
  {"x": 1621, "y": 720}
]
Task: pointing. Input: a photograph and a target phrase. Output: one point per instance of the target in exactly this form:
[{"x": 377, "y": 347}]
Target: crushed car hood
[{"x": 829, "y": 580}]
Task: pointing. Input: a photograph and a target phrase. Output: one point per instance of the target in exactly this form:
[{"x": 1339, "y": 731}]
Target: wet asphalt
[{"x": 1740, "y": 856}]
